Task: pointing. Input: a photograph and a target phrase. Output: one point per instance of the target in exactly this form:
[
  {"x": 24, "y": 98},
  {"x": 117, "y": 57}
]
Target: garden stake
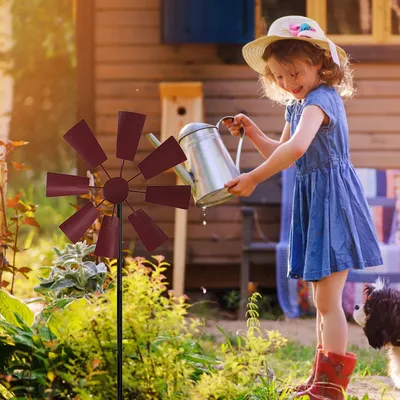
[{"x": 116, "y": 191}]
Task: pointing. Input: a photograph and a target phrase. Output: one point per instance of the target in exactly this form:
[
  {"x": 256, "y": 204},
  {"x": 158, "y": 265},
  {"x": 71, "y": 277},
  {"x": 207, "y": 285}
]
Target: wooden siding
[{"x": 130, "y": 61}]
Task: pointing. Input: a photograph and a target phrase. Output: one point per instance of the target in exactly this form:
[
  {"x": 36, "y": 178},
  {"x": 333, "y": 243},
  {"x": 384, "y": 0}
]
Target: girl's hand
[
  {"x": 243, "y": 185},
  {"x": 240, "y": 121}
]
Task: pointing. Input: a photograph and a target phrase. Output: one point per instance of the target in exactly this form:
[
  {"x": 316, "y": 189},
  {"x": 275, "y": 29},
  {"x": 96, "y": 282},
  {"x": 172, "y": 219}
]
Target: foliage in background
[
  {"x": 15, "y": 213},
  {"x": 42, "y": 65}
]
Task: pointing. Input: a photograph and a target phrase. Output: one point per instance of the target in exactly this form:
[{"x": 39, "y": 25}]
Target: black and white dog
[{"x": 380, "y": 320}]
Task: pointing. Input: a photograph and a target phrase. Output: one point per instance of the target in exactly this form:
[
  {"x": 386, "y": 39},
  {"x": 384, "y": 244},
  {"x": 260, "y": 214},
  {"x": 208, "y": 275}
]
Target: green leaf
[
  {"x": 63, "y": 283},
  {"x": 9, "y": 305},
  {"x": 58, "y": 322}
]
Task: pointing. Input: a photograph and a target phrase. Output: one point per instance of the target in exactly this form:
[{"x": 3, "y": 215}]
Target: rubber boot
[{"x": 332, "y": 376}]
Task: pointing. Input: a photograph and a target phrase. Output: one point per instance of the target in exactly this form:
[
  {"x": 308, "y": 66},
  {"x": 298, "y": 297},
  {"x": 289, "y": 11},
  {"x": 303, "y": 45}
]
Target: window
[{"x": 344, "y": 21}]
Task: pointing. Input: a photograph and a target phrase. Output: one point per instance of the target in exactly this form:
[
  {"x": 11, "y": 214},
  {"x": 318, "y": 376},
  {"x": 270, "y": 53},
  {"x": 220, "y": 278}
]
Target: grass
[
  {"x": 293, "y": 362},
  {"x": 298, "y": 359},
  {"x": 369, "y": 361}
]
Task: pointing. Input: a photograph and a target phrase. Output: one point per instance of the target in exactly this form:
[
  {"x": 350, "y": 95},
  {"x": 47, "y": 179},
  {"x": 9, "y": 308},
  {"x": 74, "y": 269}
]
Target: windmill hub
[{"x": 116, "y": 190}]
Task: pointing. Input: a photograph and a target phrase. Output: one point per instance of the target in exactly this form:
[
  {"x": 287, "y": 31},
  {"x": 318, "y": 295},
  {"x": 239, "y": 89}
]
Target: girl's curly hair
[{"x": 287, "y": 49}]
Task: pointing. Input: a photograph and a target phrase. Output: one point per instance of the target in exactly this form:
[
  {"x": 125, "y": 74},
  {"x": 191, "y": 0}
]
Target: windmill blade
[
  {"x": 76, "y": 225},
  {"x": 148, "y": 231},
  {"x": 172, "y": 196},
  {"x": 108, "y": 241},
  {"x": 66, "y": 185},
  {"x": 164, "y": 157},
  {"x": 82, "y": 139},
  {"x": 130, "y": 126}
]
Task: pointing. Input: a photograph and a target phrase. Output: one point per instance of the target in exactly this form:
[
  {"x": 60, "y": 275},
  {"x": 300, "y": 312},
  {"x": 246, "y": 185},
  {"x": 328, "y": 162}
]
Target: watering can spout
[{"x": 178, "y": 169}]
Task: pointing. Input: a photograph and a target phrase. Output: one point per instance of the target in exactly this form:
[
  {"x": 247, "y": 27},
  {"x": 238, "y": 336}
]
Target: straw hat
[{"x": 290, "y": 27}]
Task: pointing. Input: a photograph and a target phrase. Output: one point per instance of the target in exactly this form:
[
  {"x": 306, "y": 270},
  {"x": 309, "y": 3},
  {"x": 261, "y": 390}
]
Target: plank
[
  {"x": 241, "y": 89},
  {"x": 227, "y": 274},
  {"x": 128, "y": 4},
  {"x": 109, "y": 123},
  {"x": 149, "y": 89},
  {"x": 379, "y": 105},
  {"x": 370, "y": 88},
  {"x": 376, "y": 159},
  {"x": 214, "y": 72},
  {"x": 375, "y": 71},
  {"x": 218, "y": 107},
  {"x": 156, "y": 53},
  {"x": 172, "y": 72},
  {"x": 223, "y": 106},
  {"x": 127, "y": 18},
  {"x": 124, "y": 36},
  {"x": 132, "y": 89},
  {"x": 375, "y": 141},
  {"x": 224, "y": 213},
  {"x": 374, "y": 123},
  {"x": 204, "y": 247},
  {"x": 269, "y": 124},
  {"x": 216, "y": 231}
]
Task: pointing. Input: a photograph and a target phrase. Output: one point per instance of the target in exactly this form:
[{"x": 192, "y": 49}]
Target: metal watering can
[{"x": 208, "y": 162}]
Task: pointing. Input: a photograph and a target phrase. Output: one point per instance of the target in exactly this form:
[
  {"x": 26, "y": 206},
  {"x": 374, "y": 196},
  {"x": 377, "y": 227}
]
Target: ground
[{"x": 303, "y": 331}]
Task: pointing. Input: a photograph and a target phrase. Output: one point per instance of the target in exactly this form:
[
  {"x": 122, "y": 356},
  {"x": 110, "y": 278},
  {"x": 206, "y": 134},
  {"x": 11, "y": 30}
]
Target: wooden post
[{"x": 182, "y": 103}]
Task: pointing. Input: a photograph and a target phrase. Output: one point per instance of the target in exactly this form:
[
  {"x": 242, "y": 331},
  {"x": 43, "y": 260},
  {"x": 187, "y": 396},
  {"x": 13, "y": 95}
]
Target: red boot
[
  {"x": 307, "y": 384},
  {"x": 332, "y": 376}
]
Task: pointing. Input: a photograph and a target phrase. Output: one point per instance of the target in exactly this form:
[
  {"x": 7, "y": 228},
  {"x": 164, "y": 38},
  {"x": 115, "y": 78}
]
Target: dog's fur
[{"x": 380, "y": 319}]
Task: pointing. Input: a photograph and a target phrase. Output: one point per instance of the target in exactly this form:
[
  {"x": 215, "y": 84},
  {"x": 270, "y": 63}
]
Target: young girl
[{"x": 332, "y": 230}]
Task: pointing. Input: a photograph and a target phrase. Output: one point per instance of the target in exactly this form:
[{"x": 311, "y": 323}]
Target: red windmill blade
[{"x": 116, "y": 189}]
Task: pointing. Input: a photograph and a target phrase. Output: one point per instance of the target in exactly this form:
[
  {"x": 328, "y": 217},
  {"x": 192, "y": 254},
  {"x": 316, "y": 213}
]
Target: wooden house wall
[{"x": 130, "y": 61}]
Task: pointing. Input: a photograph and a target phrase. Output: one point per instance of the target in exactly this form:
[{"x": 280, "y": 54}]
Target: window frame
[{"x": 317, "y": 10}]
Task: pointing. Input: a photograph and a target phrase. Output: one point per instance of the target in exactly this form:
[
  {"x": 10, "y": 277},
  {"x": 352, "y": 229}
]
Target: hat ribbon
[{"x": 305, "y": 30}]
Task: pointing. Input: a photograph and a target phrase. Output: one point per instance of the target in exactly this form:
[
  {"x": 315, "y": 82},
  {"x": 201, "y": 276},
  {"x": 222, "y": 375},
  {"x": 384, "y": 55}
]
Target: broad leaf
[{"x": 10, "y": 305}]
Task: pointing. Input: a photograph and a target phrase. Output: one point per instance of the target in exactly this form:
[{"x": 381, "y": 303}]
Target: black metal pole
[{"x": 119, "y": 307}]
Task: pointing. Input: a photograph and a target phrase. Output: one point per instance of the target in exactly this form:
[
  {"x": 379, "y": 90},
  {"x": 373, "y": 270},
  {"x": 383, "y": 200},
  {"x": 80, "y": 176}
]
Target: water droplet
[{"x": 203, "y": 215}]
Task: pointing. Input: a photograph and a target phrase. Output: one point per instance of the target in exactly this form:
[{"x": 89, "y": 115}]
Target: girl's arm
[
  {"x": 267, "y": 146},
  {"x": 261, "y": 142},
  {"x": 288, "y": 152}
]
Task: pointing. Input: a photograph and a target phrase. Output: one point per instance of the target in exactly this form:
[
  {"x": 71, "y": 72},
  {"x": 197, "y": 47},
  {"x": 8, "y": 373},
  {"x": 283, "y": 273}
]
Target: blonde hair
[{"x": 331, "y": 74}]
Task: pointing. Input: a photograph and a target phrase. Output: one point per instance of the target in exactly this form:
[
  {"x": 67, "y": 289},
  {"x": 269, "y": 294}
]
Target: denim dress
[{"x": 332, "y": 228}]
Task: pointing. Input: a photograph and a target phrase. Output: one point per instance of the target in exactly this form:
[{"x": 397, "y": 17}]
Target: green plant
[
  {"x": 161, "y": 355},
  {"x": 232, "y": 300},
  {"x": 244, "y": 372},
  {"x": 31, "y": 360},
  {"x": 71, "y": 276}
]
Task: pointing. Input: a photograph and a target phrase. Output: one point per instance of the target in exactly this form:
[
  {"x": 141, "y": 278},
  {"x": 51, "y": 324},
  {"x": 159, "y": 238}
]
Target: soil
[{"x": 303, "y": 332}]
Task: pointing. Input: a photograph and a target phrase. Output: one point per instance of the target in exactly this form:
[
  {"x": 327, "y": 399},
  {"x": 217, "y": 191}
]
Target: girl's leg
[
  {"x": 319, "y": 316},
  {"x": 310, "y": 380},
  {"x": 329, "y": 304}
]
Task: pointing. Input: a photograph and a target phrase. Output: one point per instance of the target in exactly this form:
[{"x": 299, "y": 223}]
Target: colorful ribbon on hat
[
  {"x": 306, "y": 30},
  {"x": 299, "y": 30}
]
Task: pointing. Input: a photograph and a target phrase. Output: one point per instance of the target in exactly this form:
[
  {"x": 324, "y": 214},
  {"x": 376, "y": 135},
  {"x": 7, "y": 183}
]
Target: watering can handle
[{"x": 239, "y": 149}]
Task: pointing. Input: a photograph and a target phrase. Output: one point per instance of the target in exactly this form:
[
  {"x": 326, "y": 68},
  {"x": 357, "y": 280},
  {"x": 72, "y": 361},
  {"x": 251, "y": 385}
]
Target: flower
[{"x": 298, "y": 30}]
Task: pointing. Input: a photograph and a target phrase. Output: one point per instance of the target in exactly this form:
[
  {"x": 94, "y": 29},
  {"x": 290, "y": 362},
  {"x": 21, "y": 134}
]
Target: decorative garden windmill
[{"x": 116, "y": 191}]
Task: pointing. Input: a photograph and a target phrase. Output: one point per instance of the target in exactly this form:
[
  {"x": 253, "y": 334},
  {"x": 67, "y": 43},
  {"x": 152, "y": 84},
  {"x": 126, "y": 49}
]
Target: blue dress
[{"x": 332, "y": 228}]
